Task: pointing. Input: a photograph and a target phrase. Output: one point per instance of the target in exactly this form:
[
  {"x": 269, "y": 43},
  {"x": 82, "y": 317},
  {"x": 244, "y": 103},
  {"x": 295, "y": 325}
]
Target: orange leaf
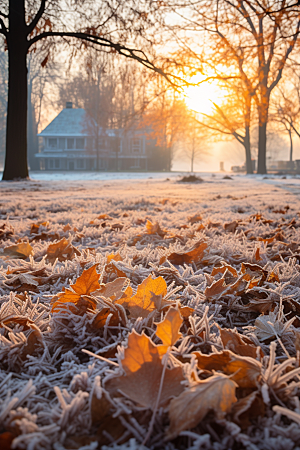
[
  {"x": 155, "y": 229},
  {"x": 223, "y": 269},
  {"x": 87, "y": 283},
  {"x": 18, "y": 251},
  {"x": 143, "y": 372},
  {"x": 186, "y": 411},
  {"x": 168, "y": 329},
  {"x": 194, "y": 255},
  {"x": 245, "y": 371},
  {"x": 62, "y": 250},
  {"x": 149, "y": 294},
  {"x": 194, "y": 219}
]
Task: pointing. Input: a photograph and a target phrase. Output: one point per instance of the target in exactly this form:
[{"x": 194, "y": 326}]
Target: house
[{"x": 73, "y": 141}]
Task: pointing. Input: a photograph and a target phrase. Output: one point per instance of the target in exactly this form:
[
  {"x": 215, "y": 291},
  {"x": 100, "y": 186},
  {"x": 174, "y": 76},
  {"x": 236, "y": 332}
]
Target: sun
[{"x": 201, "y": 98}]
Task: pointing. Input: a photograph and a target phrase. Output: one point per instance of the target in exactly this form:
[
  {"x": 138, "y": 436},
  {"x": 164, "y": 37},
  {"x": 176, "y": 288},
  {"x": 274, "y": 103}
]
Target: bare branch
[{"x": 37, "y": 17}]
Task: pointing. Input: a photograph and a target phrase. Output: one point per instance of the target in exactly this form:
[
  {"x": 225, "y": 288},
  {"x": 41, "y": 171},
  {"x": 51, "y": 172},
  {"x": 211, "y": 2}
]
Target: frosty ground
[{"x": 52, "y": 394}]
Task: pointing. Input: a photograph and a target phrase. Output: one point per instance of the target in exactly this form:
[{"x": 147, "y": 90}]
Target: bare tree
[
  {"x": 252, "y": 39},
  {"x": 109, "y": 25}
]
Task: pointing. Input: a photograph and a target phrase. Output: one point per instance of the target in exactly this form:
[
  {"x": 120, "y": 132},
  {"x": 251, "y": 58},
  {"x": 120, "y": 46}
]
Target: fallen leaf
[
  {"x": 168, "y": 329},
  {"x": 222, "y": 269},
  {"x": 114, "y": 289},
  {"x": 194, "y": 255},
  {"x": 18, "y": 251},
  {"x": 113, "y": 257},
  {"x": 216, "y": 288},
  {"x": 100, "y": 319},
  {"x": 6, "y": 440},
  {"x": 257, "y": 255},
  {"x": 247, "y": 408},
  {"x": 143, "y": 369},
  {"x": 34, "y": 227},
  {"x": 87, "y": 283},
  {"x": 245, "y": 371},
  {"x": 155, "y": 229},
  {"x": 216, "y": 393},
  {"x": 231, "y": 227},
  {"x": 194, "y": 219},
  {"x": 267, "y": 327},
  {"x": 62, "y": 250},
  {"x": 34, "y": 342},
  {"x": 241, "y": 345},
  {"x": 149, "y": 292}
]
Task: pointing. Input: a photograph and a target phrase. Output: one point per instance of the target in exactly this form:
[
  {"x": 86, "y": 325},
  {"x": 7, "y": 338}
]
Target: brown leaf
[
  {"x": 62, "y": 250},
  {"x": 113, "y": 290},
  {"x": 245, "y": 371},
  {"x": 247, "y": 408},
  {"x": 34, "y": 342},
  {"x": 194, "y": 255},
  {"x": 168, "y": 329},
  {"x": 18, "y": 251},
  {"x": 223, "y": 269},
  {"x": 216, "y": 288},
  {"x": 100, "y": 319},
  {"x": 241, "y": 345},
  {"x": 34, "y": 227},
  {"x": 216, "y": 393},
  {"x": 143, "y": 372},
  {"x": 155, "y": 229},
  {"x": 194, "y": 219},
  {"x": 6, "y": 440},
  {"x": 231, "y": 227}
]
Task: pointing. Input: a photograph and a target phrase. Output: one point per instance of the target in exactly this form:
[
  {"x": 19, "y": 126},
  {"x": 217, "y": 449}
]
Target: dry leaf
[
  {"x": 6, "y": 440},
  {"x": 155, "y": 229},
  {"x": 143, "y": 369},
  {"x": 231, "y": 227},
  {"x": 267, "y": 327},
  {"x": 34, "y": 228},
  {"x": 244, "y": 371},
  {"x": 18, "y": 251},
  {"x": 216, "y": 288},
  {"x": 168, "y": 329},
  {"x": 100, "y": 319},
  {"x": 223, "y": 269},
  {"x": 149, "y": 294},
  {"x": 113, "y": 290},
  {"x": 247, "y": 408},
  {"x": 87, "y": 283},
  {"x": 62, "y": 250},
  {"x": 194, "y": 255},
  {"x": 216, "y": 393},
  {"x": 194, "y": 219},
  {"x": 241, "y": 345}
]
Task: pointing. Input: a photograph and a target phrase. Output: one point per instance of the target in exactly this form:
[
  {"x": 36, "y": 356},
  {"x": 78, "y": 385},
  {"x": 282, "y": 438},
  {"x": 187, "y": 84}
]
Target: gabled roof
[{"x": 69, "y": 122}]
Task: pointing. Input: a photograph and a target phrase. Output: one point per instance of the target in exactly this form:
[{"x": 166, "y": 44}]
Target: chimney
[{"x": 69, "y": 105}]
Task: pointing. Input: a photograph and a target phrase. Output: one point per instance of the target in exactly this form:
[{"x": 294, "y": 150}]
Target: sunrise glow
[{"x": 201, "y": 98}]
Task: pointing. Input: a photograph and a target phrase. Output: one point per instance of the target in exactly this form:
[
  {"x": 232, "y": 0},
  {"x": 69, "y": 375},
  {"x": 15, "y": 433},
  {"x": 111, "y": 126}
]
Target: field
[{"x": 145, "y": 313}]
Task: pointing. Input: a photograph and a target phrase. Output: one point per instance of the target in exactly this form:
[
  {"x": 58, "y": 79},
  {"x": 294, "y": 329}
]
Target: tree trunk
[
  {"x": 263, "y": 110},
  {"x": 16, "y": 130},
  {"x": 291, "y": 146},
  {"x": 32, "y": 139},
  {"x": 247, "y": 146}
]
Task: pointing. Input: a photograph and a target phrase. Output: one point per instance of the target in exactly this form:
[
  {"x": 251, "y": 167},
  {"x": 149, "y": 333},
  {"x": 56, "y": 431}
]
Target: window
[
  {"x": 89, "y": 143},
  {"x": 70, "y": 143},
  {"x": 80, "y": 163},
  {"x": 52, "y": 143},
  {"x": 61, "y": 143},
  {"x": 57, "y": 163},
  {"x": 136, "y": 145},
  {"x": 51, "y": 163},
  {"x": 80, "y": 143}
]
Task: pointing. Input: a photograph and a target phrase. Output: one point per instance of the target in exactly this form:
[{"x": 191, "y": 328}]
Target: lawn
[{"x": 150, "y": 313}]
